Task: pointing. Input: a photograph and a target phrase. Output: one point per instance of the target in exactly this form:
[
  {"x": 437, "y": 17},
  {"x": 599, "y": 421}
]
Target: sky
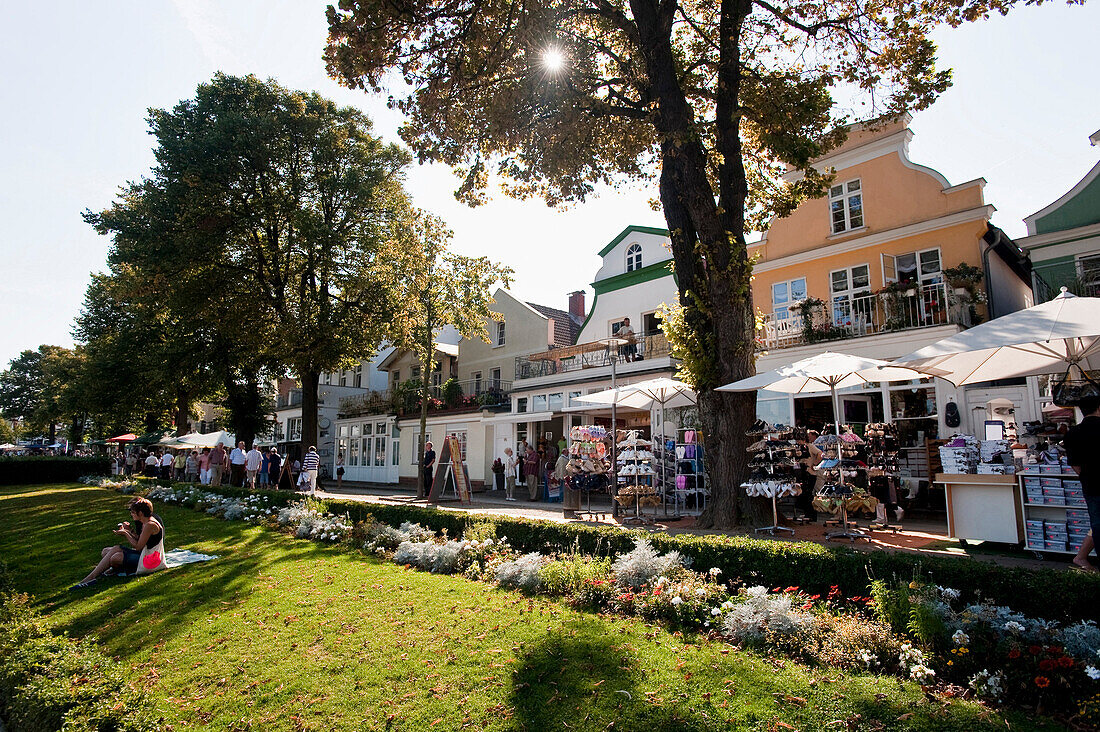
[{"x": 77, "y": 78}]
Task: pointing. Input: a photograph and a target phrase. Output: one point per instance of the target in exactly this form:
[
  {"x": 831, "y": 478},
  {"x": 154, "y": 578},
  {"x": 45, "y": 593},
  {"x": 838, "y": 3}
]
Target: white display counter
[{"x": 983, "y": 507}]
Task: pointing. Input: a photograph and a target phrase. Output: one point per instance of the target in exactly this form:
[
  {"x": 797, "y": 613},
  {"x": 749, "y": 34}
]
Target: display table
[{"x": 983, "y": 507}]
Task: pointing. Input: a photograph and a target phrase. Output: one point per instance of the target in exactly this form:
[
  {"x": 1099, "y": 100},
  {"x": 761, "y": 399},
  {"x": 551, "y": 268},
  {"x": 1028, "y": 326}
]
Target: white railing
[{"x": 922, "y": 306}]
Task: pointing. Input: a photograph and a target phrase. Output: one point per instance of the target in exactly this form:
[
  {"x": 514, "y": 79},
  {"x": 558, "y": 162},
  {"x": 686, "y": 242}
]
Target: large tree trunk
[
  {"x": 709, "y": 252},
  {"x": 183, "y": 412},
  {"x": 310, "y": 380}
]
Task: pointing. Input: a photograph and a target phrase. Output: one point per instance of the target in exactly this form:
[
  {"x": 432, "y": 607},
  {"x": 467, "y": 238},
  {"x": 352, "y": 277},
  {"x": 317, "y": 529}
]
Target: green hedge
[
  {"x": 46, "y": 469},
  {"x": 815, "y": 568},
  {"x": 50, "y": 682},
  {"x": 1045, "y": 593}
]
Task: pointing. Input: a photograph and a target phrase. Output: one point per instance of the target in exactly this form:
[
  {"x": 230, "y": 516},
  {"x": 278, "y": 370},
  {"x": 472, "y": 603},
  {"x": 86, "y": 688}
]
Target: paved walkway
[{"x": 926, "y": 538}]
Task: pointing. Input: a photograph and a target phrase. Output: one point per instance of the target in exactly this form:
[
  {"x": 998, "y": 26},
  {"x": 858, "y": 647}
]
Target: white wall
[
  {"x": 628, "y": 302},
  {"x": 654, "y": 249}
]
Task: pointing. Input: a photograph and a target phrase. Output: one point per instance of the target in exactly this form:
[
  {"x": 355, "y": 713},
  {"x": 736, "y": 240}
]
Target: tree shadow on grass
[{"x": 585, "y": 678}]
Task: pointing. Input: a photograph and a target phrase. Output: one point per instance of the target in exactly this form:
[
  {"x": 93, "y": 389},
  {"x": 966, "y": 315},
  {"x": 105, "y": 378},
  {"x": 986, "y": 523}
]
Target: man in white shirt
[
  {"x": 310, "y": 463},
  {"x": 166, "y": 465},
  {"x": 252, "y": 462},
  {"x": 237, "y": 460}
]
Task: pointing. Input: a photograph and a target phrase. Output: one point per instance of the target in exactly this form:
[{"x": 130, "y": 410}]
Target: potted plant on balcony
[
  {"x": 965, "y": 282},
  {"x": 451, "y": 393},
  {"x": 894, "y": 298}
]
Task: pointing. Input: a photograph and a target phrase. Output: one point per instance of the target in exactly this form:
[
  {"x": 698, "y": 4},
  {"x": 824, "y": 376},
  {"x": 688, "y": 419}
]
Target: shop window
[
  {"x": 846, "y": 206},
  {"x": 555, "y": 402},
  {"x": 353, "y": 453},
  {"x": 774, "y": 411},
  {"x": 633, "y": 257},
  {"x": 573, "y": 395},
  {"x": 538, "y": 403}
]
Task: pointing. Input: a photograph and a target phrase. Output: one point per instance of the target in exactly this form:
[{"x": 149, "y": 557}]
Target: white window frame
[
  {"x": 420, "y": 446},
  {"x": 849, "y": 293},
  {"x": 478, "y": 382},
  {"x": 782, "y": 311},
  {"x": 358, "y": 376},
  {"x": 501, "y": 337},
  {"x": 633, "y": 257},
  {"x": 890, "y": 267},
  {"x": 844, "y": 197},
  {"x": 494, "y": 378},
  {"x": 656, "y": 316}
]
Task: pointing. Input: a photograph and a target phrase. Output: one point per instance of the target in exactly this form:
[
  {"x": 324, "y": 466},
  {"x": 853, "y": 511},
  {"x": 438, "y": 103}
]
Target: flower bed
[{"x": 940, "y": 637}]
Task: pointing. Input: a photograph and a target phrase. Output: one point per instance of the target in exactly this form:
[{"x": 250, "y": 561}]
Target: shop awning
[{"x": 523, "y": 417}]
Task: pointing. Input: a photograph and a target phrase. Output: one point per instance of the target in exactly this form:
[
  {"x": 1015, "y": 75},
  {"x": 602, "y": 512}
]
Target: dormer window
[
  {"x": 846, "y": 206},
  {"x": 634, "y": 257}
]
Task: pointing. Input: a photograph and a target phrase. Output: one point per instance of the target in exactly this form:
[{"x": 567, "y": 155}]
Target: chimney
[{"x": 576, "y": 304}]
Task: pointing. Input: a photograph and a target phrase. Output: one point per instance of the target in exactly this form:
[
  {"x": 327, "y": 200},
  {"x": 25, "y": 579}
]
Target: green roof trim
[
  {"x": 627, "y": 231},
  {"x": 1080, "y": 210},
  {"x": 626, "y": 279}
]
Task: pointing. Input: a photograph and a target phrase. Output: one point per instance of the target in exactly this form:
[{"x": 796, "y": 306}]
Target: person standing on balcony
[
  {"x": 429, "y": 467},
  {"x": 628, "y": 350}
]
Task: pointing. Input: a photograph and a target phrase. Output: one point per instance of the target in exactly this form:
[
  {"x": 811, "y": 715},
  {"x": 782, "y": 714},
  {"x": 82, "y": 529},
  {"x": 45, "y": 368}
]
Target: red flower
[
  {"x": 1042, "y": 682},
  {"x": 807, "y": 606},
  {"x": 815, "y": 597},
  {"x": 657, "y": 592},
  {"x": 1034, "y": 650},
  {"x": 1014, "y": 653},
  {"x": 1054, "y": 650},
  {"x": 792, "y": 588},
  {"x": 1046, "y": 665},
  {"x": 1065, "y": 662}
]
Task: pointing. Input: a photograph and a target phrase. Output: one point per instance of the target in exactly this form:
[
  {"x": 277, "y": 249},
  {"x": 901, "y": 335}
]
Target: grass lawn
[{"x": 284, "y": 634}]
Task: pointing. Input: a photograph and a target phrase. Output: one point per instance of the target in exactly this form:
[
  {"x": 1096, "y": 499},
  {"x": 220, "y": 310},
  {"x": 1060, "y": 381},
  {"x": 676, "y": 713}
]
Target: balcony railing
[
  {"x": 466, "y": 395},
  {"x": 643, "y": 348},
  {"x": 922, "y": 306}
]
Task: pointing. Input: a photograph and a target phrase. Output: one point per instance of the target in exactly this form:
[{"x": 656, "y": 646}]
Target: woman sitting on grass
[{"x": 147, "y": 535}]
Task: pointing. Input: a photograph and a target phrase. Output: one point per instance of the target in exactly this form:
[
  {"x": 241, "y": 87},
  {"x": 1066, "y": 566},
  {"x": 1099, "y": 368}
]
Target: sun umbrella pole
[{"x": 836, "y": 424}]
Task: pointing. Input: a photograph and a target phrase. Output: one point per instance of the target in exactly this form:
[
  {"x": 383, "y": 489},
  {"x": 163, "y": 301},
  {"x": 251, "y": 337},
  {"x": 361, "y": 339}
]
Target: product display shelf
[
  {"x": 1053, "y": 508},
  {"x": 689, "y": 477},
  {"x": 638, "y": 484},
  {"x": 833, "y": 448},
  {"x": 776, "y": 458},
  {"x": 585, "y": 443},
  {"x": 883, "y": 470}
]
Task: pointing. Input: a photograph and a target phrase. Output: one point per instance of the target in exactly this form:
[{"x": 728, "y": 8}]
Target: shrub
[
  {"x": 523, "y": 573},
  {"x": 569, "y": 574},
  {"x": 50, "y": 682},
  {"x": 45, "y": 469},
  {"x": 760, "y": 616},
  {"x": 854, "y": 641},
  {"x": 638, "y": 567}
]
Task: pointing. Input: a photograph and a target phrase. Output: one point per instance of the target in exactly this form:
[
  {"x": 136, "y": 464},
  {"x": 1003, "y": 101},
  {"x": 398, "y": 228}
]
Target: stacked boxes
[
  {"x": 1055, "y": 535},
  {"x": 1077, "y": 526},
  {"x": 1035, "y": 535},
  {"x": 1075, "y": 496},
  {"x": 960, "y": 455},
  {"x": 1053, "y": 492},
  {"x": 1033, "y": 490}
]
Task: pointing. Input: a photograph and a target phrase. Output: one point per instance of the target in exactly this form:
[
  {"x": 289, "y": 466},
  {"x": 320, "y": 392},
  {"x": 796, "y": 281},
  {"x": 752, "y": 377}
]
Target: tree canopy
[{"x": 714, "y": 99}]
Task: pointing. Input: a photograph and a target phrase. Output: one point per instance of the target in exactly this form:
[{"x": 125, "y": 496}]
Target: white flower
[
  {"x": 866, "y": 658},
  {"x": 676, "y": 601},
  {"x": 714, "y": 572},
  {"x": 960, "y": 638},
  {"x": 1013, "y": 627},
  {"x": 948, "y": 593},
  {"x": 1093, "y": 672},
  {"x": 701, "y": 592},
  {"x": 921, "y": 673},
  {"x": 715, "y": 612},
  {"x": 727, "y": 605}
]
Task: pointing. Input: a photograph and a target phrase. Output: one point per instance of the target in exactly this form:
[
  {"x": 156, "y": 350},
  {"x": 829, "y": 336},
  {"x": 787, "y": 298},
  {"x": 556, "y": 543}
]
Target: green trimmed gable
[
  {"x": 1081, "y": 210},
  {"x": 628, "y": 231}
]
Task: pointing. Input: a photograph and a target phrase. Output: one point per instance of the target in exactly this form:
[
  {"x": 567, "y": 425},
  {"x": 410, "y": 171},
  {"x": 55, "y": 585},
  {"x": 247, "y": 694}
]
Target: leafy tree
[
  {"x": 30, "y": 389},
  {"x": 555, "y": 97},
  {"x": 275, "y": 209},
  {"x": 7, "y": 431},
  {"x": 438, "y": 288}
]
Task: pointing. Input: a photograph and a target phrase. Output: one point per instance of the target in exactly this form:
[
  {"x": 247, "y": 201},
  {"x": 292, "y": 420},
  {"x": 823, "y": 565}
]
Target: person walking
[
  {"x": 152, "y": 462},
  {"x": 237, "y": 460},
  {"x": 191, "y": 467},
  {"x": 310, "y": 463},
  {"x": 531, "y": 473},
  {"x": 179, "y": 464},
  {"x": 265, "y": 463},
  {"x": 276, "y": 470},
  {"x": 166, "y": 462},
  {"x": 510, "y": 464},
  {"x": 1081, "y": 443},
  {"x": 252, "y": 462},
  {"x": 339, "y": 470},
  {"x": 204, "y": 466},
  {"x": 217, "y": 464},
  {"x": 131, "y": 462}
]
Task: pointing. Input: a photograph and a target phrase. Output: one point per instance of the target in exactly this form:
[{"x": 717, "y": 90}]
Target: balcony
[
  {"x": 463, "y": 396},
  {"x": 924, "y": 306},
  {"x": 591, "y": 355}
]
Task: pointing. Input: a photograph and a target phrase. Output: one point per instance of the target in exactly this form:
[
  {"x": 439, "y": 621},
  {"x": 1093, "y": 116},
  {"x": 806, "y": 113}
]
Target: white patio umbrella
[
  {"x": 828, "y": 372},
  {"x": 662, "y": 391},
  {"x": 1053, "y": 336},
  {"x": 210, "y": 439}
]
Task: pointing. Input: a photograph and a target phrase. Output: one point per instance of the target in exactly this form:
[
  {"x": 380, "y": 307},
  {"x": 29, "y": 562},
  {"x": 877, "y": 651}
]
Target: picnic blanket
[{"x": 180, "y": 557}]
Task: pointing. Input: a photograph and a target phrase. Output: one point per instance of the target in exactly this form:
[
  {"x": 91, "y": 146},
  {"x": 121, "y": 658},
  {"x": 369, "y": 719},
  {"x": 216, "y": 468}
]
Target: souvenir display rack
[
  {"x": 635, "y": 476},
  {"x": 588, "y": 466},
  {"x": 1052, "y": 504},
  {"x": 774, "y": 473},
  {"x": 839, "y": 463},
  {"x": 883, "y": 466},
  {"x": 690, "y": 478}
]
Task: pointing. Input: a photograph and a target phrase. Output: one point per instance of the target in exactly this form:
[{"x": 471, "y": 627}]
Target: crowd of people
[{"x": 255, "y": 467}]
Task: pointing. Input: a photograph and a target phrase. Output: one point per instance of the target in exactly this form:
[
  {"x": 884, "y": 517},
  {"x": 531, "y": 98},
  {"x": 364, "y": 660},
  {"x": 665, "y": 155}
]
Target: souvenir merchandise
[
  {"x": 689, "y": 479},
  {"x": 636, "y": 476},
  {"x": 845, "y": 488},
  {"x": 882, "y": 447},
  {"x": 960, "y": 455},
  {"x": 587, "y": 469},
  {"x": 774, "y": 475}
]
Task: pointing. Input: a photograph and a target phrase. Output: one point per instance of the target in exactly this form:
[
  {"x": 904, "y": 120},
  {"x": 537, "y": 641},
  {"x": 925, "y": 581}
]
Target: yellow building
[{"x": 874, "y": 268}]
